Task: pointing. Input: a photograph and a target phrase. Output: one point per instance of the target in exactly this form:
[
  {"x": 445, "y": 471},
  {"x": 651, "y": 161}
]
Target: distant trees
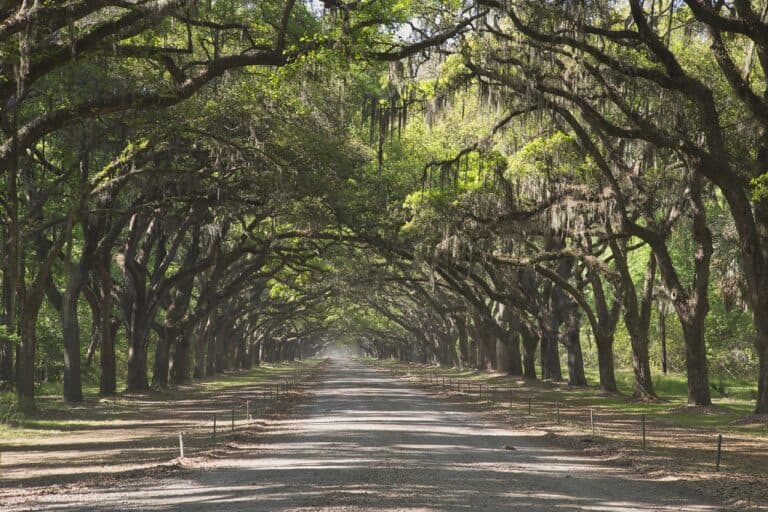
[
  {"x": 200, "y": 187},
  {"x": 606, "y": 135}
]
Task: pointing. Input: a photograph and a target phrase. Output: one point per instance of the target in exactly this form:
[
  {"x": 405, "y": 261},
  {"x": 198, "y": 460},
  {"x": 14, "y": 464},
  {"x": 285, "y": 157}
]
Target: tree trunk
[
  {"x": 181, "y": 358},
  {"x": 502, "y": 357},
  {"x": 108, "y": 381},
  {"x": 73, "y": 388},
  {"x": 642, "y": 369},
  {"x": 489, "y": 351},
  {"x": 760, "y": 301},
  {"x": 136, "y": 380},
  {"x": 162, "y": 364},
  {"x": 479, "y": 351},
  {"x": 461, "y": 329},
  {"x": 25, "y": 379},
  {"x": 605, "y": 362},
  {"x": 696, "y": 362},
  {"x": 550, "y": 356},
  {"x": 530, "y": 342},
  {"x": 6, "y": 344},
  {"x": 663, "y": 337},
  {"x": 761, "y": 344},
  {"x": 572, "y": 343},
  {"x": 515, "y": 363},
  {"x": 11, "y": 272}
]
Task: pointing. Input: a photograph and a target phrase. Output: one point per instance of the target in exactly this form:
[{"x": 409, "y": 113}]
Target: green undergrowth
[
  {"x": 53, "y": 414},
  {"x": 731, "y": 411}
]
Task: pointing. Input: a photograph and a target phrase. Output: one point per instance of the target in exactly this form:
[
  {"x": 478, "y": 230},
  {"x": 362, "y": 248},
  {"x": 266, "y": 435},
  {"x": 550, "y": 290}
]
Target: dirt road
[{"x": 366, "y": 441}]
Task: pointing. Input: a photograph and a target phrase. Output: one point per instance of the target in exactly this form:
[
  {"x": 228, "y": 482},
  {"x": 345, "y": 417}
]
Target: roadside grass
[
  {"x": 53, "y": 414},
  {"x": 730, "y": 414}
]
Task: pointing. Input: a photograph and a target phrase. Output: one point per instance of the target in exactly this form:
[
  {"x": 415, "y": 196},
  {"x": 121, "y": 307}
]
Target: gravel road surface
[{"x": 368, "y": 441}]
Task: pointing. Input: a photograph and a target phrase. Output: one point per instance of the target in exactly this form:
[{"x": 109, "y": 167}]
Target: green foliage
[{"x": 760, "y": 187}]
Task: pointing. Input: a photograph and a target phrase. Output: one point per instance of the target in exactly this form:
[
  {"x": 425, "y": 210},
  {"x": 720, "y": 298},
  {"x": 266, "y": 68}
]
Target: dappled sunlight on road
[{"x": 370, "y": 442}]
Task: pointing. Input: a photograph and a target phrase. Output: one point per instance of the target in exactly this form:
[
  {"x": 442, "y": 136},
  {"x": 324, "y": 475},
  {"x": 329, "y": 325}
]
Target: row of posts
[
  {"x": 491, "y": 393},
  {"x": 261, "y": 402}
]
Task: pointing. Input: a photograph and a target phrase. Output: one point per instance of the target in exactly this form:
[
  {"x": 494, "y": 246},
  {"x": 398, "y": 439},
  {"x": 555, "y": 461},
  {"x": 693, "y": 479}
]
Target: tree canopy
[{"x": 192, "y": 187}]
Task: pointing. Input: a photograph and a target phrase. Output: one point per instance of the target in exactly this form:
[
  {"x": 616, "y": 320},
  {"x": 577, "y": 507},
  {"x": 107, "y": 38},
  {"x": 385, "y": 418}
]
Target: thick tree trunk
[
  {"x": 136, "y": 379},
  {"x": 210, "y": 353},
  {"x": 761, "y": 343},
  {"x": 220, "y": 344},
  {"x": 642, "y": 368},
  {"x": 515, "y": 362},
  {"x": 246, "y": 359},
  {"x": 25, "y": 363},
  {"x": 6, "y": 345},
  {"x": 572, "y": 343},
  {"x": 606, "y": 364},
  {"x": 73, "y": 388},
  {"x": 479, "y": 345},
  {"x": 181, "y": 358},
  {"x": 461, "y": 329},
  {"x": 502, "y": 357},
  {"x": 530, "y": 341},
  {"x": 108, "y": 361},
  {"x": 759, "y": 295},
  {"x": 202, "y": 347},
  {"x": 489, "y": 351},
  {"x": 550, "y": 356},
  {"x": 6, "y": 362},
  {"x": 162, "y": 364},
  {"x": 696, "y": 362},
  {"x": 11, "y": 272}
]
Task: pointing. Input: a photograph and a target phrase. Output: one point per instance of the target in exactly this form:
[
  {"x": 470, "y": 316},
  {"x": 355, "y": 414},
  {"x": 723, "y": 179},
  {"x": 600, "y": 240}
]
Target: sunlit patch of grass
[
  {"x": 53, "y": 414},
  {"x": 671, "y": 409}
]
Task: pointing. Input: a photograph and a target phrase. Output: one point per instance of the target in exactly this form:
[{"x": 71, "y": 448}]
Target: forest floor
[
  {"x": 365, "y": 440},
  {"x": 71, "y": 444},
  {"x": 681, "y": 441}
]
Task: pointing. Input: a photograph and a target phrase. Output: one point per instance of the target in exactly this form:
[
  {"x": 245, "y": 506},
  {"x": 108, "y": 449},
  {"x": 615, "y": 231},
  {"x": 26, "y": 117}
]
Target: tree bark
[
  {"x": 605, "y": 362},
  {"x": 530, "y": 341},
  {"x": 107, "y": 327},
  {"x": 572, "y": 343},
  {"x": 25, "y": 379},
  {"x": 502, "y": 357}
]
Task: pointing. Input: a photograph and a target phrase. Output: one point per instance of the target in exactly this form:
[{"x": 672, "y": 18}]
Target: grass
[
  {"x": 729, "y": 414},
  {"x": 53, "y": 414}
]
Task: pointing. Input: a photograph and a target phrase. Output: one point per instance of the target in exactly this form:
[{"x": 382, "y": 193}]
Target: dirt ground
[
  {"x": 108, "y": 441},
  {"x": 368, "y": 441},
  {"x": 685, "y": 453}
]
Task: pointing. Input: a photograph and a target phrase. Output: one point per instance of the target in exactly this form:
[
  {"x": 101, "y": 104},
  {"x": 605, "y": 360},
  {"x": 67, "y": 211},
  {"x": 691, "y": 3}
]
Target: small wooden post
[
  {"x": 719, "y": 451},
  {"x": 214, "y": 431},
  {"x": 592, "y": 420},
  {"x": 557, "y": 411},
  {"x": 181, "y": 446},
  {"x": 529, "y": 405},
  {"x": 493, "y": 395},
  {"x": 643, "y": 425},
  {"x": 233, "y": 418},
  {"x": 247, "y": 410},
  {"x": 480, "y": 391}
]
